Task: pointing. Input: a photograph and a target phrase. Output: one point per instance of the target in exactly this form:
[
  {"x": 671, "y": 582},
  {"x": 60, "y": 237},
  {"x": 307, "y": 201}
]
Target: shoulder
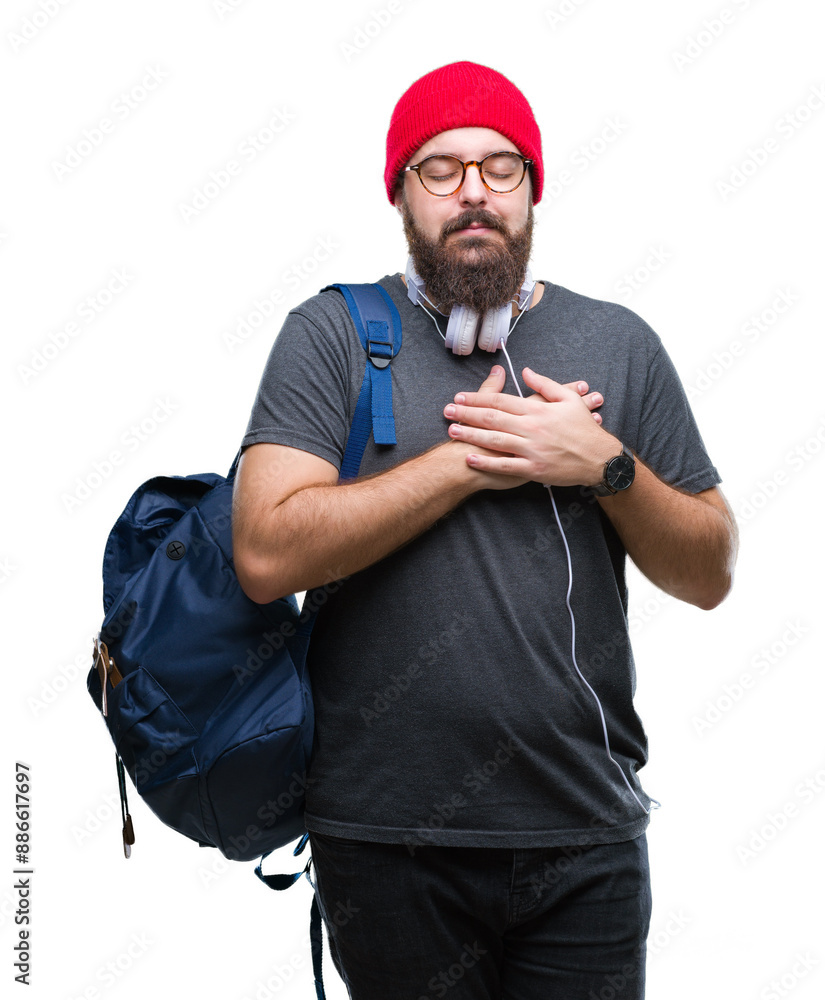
[
  {"x": 328, "y": 312},
  {"x": 601, "y": 320}
]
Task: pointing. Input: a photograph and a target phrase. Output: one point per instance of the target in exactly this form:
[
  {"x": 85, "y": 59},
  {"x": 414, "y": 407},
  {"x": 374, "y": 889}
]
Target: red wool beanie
[{"x": 461, "y": 95}]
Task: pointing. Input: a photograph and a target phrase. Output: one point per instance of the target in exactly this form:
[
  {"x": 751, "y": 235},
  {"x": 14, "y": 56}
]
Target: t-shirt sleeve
[
  {"x": 668, "y": 438},
  {"x": 304, "y": 399}
]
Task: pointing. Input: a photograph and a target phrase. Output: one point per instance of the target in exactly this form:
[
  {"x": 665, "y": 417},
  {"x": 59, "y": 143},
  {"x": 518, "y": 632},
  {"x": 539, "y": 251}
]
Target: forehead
[{"x": 467, "y": 143}]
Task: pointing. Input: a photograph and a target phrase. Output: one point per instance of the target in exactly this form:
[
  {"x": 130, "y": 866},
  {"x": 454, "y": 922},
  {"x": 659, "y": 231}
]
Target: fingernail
[
  {"x": 597, "y": 398},
  {"x": 449, "y": 411},
  {"x": 497, "y": 370},
  {"x": 460, "y": 398}
]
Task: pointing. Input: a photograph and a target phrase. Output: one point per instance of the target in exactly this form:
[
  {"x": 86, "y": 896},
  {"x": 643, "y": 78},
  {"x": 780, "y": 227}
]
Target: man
[{"x": 475, "y": 826}]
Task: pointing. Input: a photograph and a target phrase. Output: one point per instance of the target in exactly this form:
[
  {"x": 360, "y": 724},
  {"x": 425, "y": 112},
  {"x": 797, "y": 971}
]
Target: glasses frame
[{"x": 416, "y": 167}]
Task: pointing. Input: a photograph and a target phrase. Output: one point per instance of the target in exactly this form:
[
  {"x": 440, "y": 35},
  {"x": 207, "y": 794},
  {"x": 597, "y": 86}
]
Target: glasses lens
[
  {"x": 502, "y": 172},
  {"x": 441, "y": 174}
]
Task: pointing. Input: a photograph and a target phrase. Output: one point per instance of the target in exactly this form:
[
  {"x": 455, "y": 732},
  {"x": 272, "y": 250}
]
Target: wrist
[
  {"x": 607, "y": 447},
  {"x": 617, "y": 473},
  {"x": 451, "y": 460}
]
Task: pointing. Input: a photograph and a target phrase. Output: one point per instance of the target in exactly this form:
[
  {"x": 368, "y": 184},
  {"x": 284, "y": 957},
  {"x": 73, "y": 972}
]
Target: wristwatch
[{"x": 618, "y": 474}]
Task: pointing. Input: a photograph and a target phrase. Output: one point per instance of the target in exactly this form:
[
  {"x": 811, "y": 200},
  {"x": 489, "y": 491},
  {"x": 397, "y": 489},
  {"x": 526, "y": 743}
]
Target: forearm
[
  {"x": 684, "y": 543},
  {"x": 321, "y": 533}
]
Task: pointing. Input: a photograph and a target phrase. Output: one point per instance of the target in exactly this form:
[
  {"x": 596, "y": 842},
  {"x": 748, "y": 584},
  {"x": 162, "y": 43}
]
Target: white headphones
[{"x": 465, "y": 325}]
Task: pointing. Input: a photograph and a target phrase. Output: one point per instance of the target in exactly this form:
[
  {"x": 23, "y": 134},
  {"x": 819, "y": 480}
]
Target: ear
[{"x": 399, "y": 193}]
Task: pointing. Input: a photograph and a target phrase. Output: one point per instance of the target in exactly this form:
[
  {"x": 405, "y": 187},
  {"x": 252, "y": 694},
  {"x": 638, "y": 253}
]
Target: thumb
[{"x": 494, "y": 381}]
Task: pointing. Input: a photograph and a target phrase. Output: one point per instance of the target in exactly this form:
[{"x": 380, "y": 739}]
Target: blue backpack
[{"x": 205, "y": 693}]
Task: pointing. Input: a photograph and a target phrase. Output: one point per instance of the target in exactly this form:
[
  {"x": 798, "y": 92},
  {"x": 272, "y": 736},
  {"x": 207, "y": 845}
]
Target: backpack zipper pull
[{"x": 128, "y": 829}]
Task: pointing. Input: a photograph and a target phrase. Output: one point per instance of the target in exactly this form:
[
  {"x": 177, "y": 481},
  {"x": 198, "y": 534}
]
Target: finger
[
  {"x": 505, "y": 466},
  {"x": 502, "y": 401},
  {"x": 580, "y": 387},
  {"x": 488, "y": 413},
  {"x": 494, "y": 381},
  {"x": 593, "y": 400},
  {"x": 552, "y": 391},
  {"x": 497, "y": 441}
]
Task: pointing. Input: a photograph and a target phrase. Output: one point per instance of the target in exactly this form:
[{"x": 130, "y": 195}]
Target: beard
[{"x": 482, "y": 272}]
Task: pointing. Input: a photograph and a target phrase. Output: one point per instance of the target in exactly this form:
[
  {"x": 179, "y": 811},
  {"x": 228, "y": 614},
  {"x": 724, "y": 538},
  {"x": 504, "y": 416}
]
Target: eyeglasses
[{"x": 443, "y": 175}]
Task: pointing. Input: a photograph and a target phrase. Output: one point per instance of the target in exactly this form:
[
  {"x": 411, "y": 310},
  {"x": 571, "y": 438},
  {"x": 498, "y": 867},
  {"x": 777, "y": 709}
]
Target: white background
[{"x": 691, "y": 103}]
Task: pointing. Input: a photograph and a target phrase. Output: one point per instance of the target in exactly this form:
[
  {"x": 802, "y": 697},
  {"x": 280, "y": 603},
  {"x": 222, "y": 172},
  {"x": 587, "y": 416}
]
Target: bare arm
[
  {"x": 295, "y": 527},
  {"x": 685, "y": 543}
]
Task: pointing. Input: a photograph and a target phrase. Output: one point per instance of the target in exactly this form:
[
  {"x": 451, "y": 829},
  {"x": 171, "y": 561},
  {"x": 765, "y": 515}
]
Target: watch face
[{"x": 620, "y": 472}]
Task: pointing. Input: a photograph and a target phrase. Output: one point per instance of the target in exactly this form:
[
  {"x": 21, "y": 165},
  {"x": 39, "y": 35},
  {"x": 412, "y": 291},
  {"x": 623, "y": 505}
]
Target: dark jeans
[{"x": 485, "y": 923}]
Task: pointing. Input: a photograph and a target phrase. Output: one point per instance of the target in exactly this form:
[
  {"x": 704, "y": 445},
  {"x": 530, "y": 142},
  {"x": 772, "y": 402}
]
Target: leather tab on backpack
[{"x": 106, "y": 667}]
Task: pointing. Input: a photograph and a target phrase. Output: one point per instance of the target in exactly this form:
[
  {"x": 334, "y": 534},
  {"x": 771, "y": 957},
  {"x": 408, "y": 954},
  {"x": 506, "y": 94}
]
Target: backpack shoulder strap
[{"x": 379, "y": 330}]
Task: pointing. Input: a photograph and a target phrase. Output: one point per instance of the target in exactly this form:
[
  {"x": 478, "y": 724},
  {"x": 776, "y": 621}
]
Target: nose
[{"x": 473, "y": 191}]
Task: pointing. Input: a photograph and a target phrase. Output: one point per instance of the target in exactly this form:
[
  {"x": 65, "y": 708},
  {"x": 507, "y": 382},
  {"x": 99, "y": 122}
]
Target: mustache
[{"x": 466, "y": 219}]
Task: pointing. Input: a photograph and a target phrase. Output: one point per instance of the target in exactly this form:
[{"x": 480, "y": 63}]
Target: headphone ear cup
[
  {"x": 495, "y": 327},
  {"x": 461, "y": 330}
]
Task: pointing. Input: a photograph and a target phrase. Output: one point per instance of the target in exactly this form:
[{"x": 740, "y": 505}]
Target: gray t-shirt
[{"x": 448, "y": 710}]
